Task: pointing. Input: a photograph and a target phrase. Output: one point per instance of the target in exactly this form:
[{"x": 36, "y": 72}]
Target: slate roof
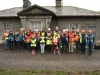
[{"x": 59, "y": 11}]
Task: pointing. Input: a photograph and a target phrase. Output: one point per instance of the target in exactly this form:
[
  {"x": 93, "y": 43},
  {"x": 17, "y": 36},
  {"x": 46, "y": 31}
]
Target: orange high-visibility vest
[{"x": 71, "y": 37}]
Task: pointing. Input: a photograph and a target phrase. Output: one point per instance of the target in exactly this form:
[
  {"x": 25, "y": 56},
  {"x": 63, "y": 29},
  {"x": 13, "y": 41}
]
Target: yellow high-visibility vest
[
  {"x": 42, "y": 40},
  {"x": 55, "y": 39},
  {"x": 6, "y": 36},
  {"x": 49, "y": 40},
  {"x": 81, "y": 38},
  {"x": 33, "y": 43}
]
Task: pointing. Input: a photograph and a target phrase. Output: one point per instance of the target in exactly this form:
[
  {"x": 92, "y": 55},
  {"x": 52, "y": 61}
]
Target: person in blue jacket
[
  {"x": 91, "y": 40},
  {"x": 11, "y": 40}
]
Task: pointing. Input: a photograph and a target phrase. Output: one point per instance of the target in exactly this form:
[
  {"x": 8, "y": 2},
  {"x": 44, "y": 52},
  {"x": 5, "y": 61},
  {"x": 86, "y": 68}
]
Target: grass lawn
[{"x": 43, "y": 72}]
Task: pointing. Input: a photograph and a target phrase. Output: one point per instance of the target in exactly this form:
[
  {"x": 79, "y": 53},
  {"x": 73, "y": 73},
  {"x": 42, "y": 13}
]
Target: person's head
[
  {"x": 71, "y": 30},
  {"x": 43, "y": 29},
  {"x": 48, "y": 34},
  {"x": 49, "y": 29},
  {"x": 77, "y": 30},
  {"x": 83, "y": 31},
  {"x": 66, "y": 30},
  {"x": 36, "y": 30},
  {"x": 57, "y": 28},
  {"x": 89, "y": 31},
  {"x": 28, "y": 33},
  {"x": 7, "y": 31}
]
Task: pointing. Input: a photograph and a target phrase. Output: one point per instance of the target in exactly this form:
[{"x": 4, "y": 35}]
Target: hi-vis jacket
[
  {"x": 55, "y": 40},
  {"x": 49, "y": 40},
  {"x": 83, "y": 36},
  {"x": 42, "y": 40},
  {"x": 6, "y": 36},
  {"x": 33, "y": 43}
]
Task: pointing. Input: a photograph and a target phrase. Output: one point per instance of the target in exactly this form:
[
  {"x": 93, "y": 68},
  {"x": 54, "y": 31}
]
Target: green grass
[{"x": 43, "y": 72}]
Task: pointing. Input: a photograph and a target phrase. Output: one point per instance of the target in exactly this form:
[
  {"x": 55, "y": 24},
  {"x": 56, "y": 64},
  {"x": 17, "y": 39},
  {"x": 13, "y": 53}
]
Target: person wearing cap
[
  {"x": 64, "y": 42},
  {"x": 37, "y": 36},
  {"x": 49, "y": 42},
  {"x": 91, "y": 40},
  {"x": 33, "y": 44},
  {"x": 42, "y": 42},
  {"x": 77, "y": 40},
  {"x": 83, "y": 41},
  {"x": 49, "y": 30},
  {"x": 55, "y": 41},
  {"x": 57, "y": 31},
  {"x": 71, "y": 40}
]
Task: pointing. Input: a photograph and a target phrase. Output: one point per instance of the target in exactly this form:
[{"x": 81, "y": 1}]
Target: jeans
[
  {"x": 42, "y": 47},
  {"x": 90, "y": 48},
  {"x": 83, "y": 47},
  {"x": 28, "y": 46},
  {"x": 64, "y": 45},
  {"x": 6, "y": 44}
]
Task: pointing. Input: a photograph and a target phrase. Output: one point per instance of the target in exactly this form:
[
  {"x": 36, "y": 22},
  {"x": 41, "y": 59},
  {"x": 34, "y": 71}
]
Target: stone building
[{"x": 35, "y": 16}]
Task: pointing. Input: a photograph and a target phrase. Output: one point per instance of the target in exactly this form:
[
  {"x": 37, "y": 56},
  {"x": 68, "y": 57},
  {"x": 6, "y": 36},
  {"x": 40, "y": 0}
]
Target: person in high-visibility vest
[
  {"x": 42, "y": 42},
  {"x": 55, "y": 41},
  {"x": 28, "y": 40},
  {"x": 6, "y": 34},
  {"x": 71, "y": 40},
  {"x": 77, "y": 40},
  {"x": 33, "y": 44},
  {"x": 91, "y": 41},
  {"x": 83, "y": 41},
  {"x": 49, "y": 42}
]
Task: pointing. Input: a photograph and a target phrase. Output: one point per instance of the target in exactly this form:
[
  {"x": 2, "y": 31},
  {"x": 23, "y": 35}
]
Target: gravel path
[{"x": 25, "y": 60}]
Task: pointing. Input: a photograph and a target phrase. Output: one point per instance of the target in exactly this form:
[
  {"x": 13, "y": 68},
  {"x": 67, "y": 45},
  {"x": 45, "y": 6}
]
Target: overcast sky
[{"x": 87, "y": 4}]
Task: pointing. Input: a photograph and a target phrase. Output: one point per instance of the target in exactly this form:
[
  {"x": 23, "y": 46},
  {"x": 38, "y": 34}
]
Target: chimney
[
  {"x": 59, "y": 2},
  {"x": 26, "y": 4}
]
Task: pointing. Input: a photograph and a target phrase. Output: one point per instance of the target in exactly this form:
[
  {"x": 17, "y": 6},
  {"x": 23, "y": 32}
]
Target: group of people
[{"x": 48, "y": 41}]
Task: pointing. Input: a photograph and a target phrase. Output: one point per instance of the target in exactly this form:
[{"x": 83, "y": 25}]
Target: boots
[
  {"x": 33, "y": 51},
  {"x": 59, "y": 52},
  {"x": 54, "y": 51}
]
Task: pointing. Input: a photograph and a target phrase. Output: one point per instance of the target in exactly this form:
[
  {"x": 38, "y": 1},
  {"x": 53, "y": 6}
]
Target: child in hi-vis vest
[
  {"x": 55, "y": 41},
  {"x": 42, "y": 42},
  {"x": 33, "y": 44}
]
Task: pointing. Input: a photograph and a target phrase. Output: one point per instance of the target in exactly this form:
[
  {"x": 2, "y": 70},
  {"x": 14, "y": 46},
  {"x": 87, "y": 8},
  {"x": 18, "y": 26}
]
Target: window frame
[
  {"x": 7, "y": 27},
  {"x": 73, "y": 26},
  {"x": 34, "y": 23}
]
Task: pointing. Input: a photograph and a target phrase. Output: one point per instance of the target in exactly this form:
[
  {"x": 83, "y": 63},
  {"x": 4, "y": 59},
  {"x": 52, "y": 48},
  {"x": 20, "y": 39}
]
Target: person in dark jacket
[
  {"x": 91, "y": 40},
  {"x": 83, "y": 41},
  {"x": 11, "y": 40},
  {"x": 64, "y": 40}
]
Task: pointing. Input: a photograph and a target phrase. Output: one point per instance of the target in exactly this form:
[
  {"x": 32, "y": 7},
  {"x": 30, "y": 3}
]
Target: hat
[
  {"x": 66, "y": 29},
  {"x": 36, "y": 30},
  {"x": 56, "y": 27},
  {"x": 49, "y": 29}
]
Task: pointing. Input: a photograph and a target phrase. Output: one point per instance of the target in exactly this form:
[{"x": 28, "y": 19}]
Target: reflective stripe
[
  {"x": 81, "y": 38},
  {"x": 55, "y": 39},
  {"x": 49, "y": 41},
  {"x": 42, "y": 40},
  {"x": 33, "y": 42}
]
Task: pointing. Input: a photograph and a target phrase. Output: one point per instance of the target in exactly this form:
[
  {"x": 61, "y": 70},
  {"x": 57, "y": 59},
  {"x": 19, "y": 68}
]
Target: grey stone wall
[
  {"x": 83, "y": 23},
  {"x": 14, "y": 22}
]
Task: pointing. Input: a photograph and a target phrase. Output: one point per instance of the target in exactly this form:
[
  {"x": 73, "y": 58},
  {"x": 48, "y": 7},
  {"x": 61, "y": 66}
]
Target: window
[
  {"x": 73, "y": 26},
  {"x": 36, "y": 25},
  {"x": 7, "y": 27}
]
